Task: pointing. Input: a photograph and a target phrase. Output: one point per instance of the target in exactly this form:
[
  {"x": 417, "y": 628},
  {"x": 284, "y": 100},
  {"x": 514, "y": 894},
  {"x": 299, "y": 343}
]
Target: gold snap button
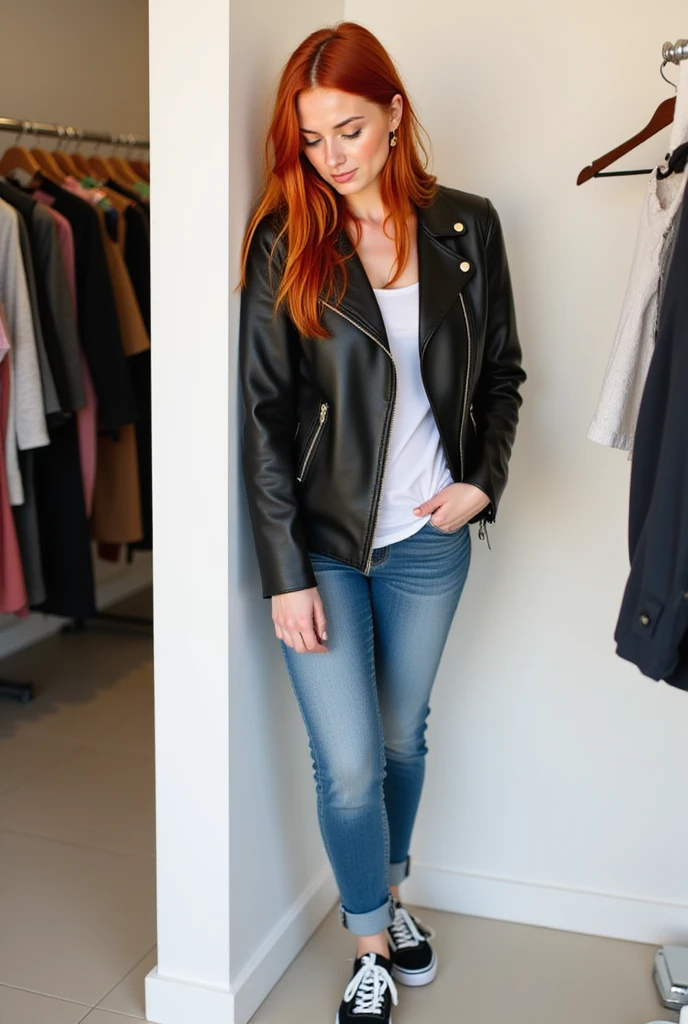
[
  {"x": 464, "y": 266},
  {"x": 644, "y": 620},
  {"x": 458, "y": 226}
]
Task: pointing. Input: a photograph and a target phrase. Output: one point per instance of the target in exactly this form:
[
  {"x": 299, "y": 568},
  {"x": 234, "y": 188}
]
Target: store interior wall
[
  {"x": 280, "y": 880},
  {"x": 81, "y": 64},
  {"x": 556, "y": 771},
  {"x": 553, "y": 764}
]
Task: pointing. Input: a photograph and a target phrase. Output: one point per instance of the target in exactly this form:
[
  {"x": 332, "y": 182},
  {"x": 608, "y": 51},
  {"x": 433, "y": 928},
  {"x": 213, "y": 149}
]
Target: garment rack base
[{"x": 19, "y": 691}]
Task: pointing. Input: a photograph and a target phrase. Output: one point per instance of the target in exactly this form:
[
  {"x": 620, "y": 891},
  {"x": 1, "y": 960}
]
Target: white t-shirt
[{"x": 416, "y": 466}]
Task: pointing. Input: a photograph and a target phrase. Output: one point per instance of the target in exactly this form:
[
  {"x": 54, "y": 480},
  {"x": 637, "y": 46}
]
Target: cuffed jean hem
[
  {"x": 371, "y": 923},
  {"x": 398, "y": 872}
]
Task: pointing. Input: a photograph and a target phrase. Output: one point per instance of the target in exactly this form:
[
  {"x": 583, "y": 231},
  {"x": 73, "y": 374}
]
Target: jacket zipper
[
  {"x": 482, "y": 531},
  {"x": 369, "y": 542},
  {"x": 305, "y": 461},
  {"x": 465, "y": 394}
]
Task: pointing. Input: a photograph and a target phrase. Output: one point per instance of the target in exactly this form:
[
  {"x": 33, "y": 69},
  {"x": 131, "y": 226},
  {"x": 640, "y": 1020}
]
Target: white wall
[
  {"x": 242, "y": 877},
  {"x": 556, "y": 780},
  {"x": 281, "y": 883},
  {"x": 81, "y": 62}
]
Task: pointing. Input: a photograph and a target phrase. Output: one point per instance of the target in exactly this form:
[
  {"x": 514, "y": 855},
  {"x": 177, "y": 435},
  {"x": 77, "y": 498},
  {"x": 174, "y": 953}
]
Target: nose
[{"x": 333, "y": 156}]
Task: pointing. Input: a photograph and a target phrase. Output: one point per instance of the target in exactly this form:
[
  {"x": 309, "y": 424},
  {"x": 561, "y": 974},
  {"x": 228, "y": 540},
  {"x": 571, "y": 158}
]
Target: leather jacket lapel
[
  {"x": 443, "y": 272},
  {"x": 359, "y": 299},
  {"x": 442, "y": 275}
]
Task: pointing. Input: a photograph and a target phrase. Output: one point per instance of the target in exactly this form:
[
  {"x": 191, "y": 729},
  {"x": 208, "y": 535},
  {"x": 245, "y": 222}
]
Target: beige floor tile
[
  {"x": 490, "y": 972},
  {"x": 19, "y": 1007},
  {"x": 106, "y": 1017},
  {"x": 129, "y": 995},
  {"x": 135, "y": 730},
  {"x": 25, "y": 755},
  {"x": 82, "y": 691},
  {"x": 94, "y": 797},
  {"x": 75, "y": 921}
]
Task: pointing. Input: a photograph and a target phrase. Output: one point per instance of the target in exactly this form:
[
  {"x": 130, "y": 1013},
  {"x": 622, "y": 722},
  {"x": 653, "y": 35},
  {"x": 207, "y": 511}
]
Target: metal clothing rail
[
  {"x": 69, "y": 134},
  {"x": 25, "y": 691},
  {"x": 673, "y": 53}
]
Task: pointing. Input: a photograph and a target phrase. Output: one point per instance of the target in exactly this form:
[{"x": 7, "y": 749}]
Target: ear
[{"x": 396, "y": 108}]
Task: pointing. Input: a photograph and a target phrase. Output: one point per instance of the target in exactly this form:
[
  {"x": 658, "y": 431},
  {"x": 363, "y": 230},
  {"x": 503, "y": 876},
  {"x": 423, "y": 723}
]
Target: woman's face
[{"x": 346, "y": 137}]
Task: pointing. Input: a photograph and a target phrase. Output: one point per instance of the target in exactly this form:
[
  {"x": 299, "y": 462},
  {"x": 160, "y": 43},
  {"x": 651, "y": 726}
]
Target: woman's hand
[
  {"x": 454, "y": 506},
  {"x": 299, "y": 620}
]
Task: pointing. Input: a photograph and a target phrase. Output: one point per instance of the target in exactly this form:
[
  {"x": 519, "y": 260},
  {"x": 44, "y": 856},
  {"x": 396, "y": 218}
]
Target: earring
[{"x": 393, "y": 140}]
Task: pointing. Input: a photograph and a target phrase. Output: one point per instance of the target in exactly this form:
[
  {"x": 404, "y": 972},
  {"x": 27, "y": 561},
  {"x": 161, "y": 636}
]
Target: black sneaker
[
  {"x": 370, "y": 993},
  {"x": 414, "y": 961}
]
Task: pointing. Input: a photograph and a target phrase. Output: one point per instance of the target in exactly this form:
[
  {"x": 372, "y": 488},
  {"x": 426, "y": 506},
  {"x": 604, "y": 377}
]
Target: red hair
[{"x": 350, "y": 58}]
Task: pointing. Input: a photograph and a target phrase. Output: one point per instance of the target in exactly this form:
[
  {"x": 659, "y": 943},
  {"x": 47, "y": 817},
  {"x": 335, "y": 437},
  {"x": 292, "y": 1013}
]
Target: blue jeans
[{"x": 365, "y": 706}]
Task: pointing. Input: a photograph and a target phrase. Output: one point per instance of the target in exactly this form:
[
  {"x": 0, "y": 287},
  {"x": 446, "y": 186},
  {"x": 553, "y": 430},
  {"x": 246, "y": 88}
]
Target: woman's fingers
[
  {"x": 299, "y": 620},
  {"x": 319, "y": 616}
]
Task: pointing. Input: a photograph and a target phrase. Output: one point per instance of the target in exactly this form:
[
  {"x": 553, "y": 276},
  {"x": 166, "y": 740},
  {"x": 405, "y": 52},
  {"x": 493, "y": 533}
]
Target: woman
[{"x": 380, "y": 368}]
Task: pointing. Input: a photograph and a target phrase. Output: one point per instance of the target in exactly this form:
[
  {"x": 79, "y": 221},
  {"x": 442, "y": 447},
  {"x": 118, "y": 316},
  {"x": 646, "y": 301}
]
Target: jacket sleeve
[
  {"x": 496, "y": 399},
  {"x": 268, "y": 366}
]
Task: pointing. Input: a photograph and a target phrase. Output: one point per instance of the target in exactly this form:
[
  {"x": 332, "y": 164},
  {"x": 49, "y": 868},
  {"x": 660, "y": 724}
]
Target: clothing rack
[
  {"x": 672, "y": 53},
  {"x": 8, "y": 688},
  {"x": 70, "y": 134}
]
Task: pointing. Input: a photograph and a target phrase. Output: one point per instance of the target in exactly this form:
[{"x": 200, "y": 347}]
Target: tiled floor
[
  {"x": 77, "y": 899},
  {"x": 77, "y": 893}
]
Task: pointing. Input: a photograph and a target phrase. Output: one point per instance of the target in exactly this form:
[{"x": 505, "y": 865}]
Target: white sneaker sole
[
  {"x": 337, "y": 1020},
  {"x": 416, "y": 978}
]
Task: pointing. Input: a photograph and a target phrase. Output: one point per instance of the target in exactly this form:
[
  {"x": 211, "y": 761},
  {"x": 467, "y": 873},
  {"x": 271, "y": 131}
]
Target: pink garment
[
  {"x": 4, "y": 338},
  {"x": 91, "y": 195},
  {"x": 87, "y": 418},
  {"x": 13, "y": 599}
]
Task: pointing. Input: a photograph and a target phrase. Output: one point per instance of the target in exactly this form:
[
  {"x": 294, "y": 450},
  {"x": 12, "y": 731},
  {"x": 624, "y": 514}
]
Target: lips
[{"x": 343, "y": 177}]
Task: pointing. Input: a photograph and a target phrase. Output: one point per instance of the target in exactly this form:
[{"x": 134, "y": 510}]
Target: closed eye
[{"x": 354, "y": 135}]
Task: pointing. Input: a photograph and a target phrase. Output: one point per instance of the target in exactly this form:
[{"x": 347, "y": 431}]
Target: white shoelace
[
  {"x": 404, "y": 931},
  {"x": 369, "y": 985}
]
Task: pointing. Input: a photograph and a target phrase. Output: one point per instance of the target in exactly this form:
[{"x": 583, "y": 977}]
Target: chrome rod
[
  {"x": 674, "y": 53},
  {"x": 66, "y": 132}
]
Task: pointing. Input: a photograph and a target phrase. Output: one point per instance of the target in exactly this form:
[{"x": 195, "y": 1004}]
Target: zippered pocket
[{"x": 312, "y": 444}]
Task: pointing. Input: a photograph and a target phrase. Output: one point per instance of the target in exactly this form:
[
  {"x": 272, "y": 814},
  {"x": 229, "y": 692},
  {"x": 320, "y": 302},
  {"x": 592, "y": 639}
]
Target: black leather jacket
[{"x": 318, "y": 413}]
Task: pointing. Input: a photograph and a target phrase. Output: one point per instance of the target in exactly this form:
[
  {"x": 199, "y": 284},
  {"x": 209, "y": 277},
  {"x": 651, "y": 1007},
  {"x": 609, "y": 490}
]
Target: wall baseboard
[
  {"x": 171, "y": 1001},
  {"x": 25, "y": 632},
  {"x": 548, "y": 906}
]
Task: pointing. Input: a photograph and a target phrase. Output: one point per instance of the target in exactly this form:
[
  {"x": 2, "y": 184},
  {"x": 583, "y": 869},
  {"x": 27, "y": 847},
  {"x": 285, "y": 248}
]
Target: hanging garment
[
  {"x": 87, "y": 418},
  {"x": 137, "y": 259},
  {"x": 652, "y": 630},
  {"x": 26, "y": 425},
  {"x": 615, "y": 420},
  {"x": 97, "y": 315},
  {"x": 117, "y": 501},
  {"x": 13, "y": 598},
  {"x": 51, "y": 400},
  {"x": 56, "y": 315}
]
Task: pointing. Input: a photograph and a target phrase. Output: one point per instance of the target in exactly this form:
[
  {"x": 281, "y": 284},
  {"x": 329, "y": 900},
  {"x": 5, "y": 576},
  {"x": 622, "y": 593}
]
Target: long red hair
[{"x": 350, "y": 58}]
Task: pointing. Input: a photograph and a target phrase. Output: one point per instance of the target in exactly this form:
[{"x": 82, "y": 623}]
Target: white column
[{"x": 189, "y": 78}]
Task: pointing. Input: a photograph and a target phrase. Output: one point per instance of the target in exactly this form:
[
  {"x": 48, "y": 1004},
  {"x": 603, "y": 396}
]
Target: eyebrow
[{"x": 357, "y": 117}]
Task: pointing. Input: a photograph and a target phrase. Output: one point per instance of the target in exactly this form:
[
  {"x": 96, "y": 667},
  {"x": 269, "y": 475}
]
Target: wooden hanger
[
  {"x": 142, "y": 169},
  {"x": 18, "y": 158},
  {"x": 99, "y": 167},
  {"x": 81, "y": 164},
  {"x": 126, "y": 173},
  {"x": 49, "y": 165},
  {"x": 65, "y": 161},
  {"x": 662, "y": 118}
]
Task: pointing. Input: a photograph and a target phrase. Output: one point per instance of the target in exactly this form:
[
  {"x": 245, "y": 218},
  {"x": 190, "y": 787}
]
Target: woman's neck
[{"x": 367, "y": 205}]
